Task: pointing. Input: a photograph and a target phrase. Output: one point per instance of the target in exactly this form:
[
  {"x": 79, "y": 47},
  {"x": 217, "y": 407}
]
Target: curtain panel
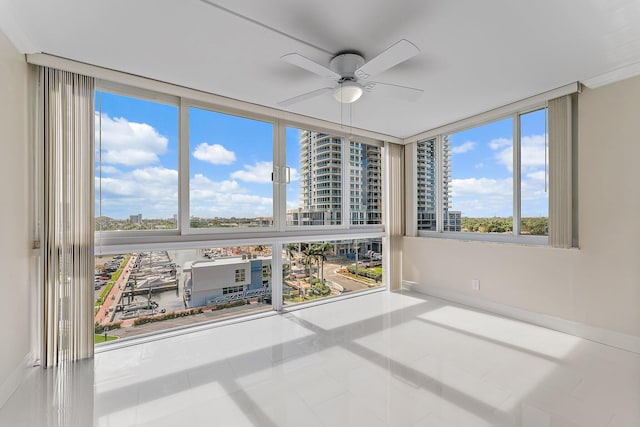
[
  {"x": 66, "y": 114},
  {"x": 560, "y": 173},
  {"x": 395, "y": 215}
]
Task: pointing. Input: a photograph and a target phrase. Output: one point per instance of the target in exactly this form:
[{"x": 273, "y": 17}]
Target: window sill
[
  {"x": 117, "y": 242},
  {"x": 542, "y": 241}
]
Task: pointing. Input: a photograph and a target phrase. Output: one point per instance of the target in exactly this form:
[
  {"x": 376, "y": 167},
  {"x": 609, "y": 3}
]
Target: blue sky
[
  {"x": 481, "y": 168},
  {"x": 230, "y": 165},
  {"x": 230, "y": 161}
]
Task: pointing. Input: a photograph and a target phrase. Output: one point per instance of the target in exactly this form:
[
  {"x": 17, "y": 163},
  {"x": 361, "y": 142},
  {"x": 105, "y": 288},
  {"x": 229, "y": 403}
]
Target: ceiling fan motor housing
[{"x": 346, "y": 65}]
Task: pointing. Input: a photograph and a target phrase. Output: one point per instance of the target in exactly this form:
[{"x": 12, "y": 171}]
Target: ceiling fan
[{"x": 351, "y": 72}]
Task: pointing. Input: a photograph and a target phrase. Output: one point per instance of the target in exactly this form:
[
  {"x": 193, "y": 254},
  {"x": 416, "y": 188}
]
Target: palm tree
[
  {"x": 321, "y": 251},
  {"x": 308, "y": 255},
  {"x": 291, "y": 250}
]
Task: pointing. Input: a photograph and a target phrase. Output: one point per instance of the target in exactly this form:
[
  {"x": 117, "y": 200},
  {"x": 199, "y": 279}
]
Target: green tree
[
  {"x": 321, "y": 251},
  {"x": 291, "y": 251},
  {"x": 308, "y": 256}
]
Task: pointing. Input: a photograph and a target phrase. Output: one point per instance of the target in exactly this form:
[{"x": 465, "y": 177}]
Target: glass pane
[
  {"x": 317, "y": 270},
  {"x": 534, "y": 176},
  {"x": 314, "y": 195},
  {"x": 478, "y": 173},
  {"x": 427, "y": 185},
  {"x": 231, "y": 161},
  {"x": 136, "y": 164},
  {"x": 365, "y": 183},
  {"x": 138, "y": 293}
]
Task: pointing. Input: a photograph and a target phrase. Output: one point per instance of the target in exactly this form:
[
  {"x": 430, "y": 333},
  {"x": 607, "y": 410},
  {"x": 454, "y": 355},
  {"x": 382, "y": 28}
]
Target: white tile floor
[{"x": 384, "y": 359}]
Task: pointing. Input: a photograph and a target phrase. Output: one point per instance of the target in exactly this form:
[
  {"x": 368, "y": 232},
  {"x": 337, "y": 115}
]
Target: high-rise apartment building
[
  {"x": 321, "y": 175},
  {"x": 365, "y": 183},
  {"x": 427, "y": 184}
]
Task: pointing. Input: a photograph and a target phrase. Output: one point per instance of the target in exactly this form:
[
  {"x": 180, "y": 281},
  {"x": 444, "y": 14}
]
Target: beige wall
[
  {"x": 15, "y": 245},
  {"x": 599, "y": 284}
]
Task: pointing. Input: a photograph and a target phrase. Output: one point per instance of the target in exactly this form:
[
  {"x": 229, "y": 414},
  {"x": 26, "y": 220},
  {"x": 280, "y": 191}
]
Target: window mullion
[
  {"x": 517, "y": 162},
  {"x": 411, "y": 189},
  {"x": 439, "y": 184},
  {"x": 183, "y": 169},
  {"x": 346, "y": 181},
  {"x": 279, "y": 177},
  {"x": 277, "y": 280}
]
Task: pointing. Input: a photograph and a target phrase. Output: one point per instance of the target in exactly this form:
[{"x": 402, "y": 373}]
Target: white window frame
[
  {"x": 184, "y": 168},
  {"x": 438, "y": 135},
  {"x": 185, "y": 237},
  {"x": 281, "y": 173}
]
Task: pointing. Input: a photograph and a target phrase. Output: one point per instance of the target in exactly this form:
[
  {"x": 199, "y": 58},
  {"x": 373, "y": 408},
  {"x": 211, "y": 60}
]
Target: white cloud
[
  {"x": 215, "y": 154},
  {"x": 107, "y": 170},
  {"x": 129, "y": 143},
  {"x": 202, "y": 188},
  {"x": 259, "y": 173},
  {"x": 479, "y": 165},
  {"x": 487, "y": 197},
  {"x": 505, "y": 158},
  {"x": 537, "y": 175},
  {"x": 152, "y": 191},
  {"x": 498, "y": 143},
  {"x": 130, "y": 157},
  {"x": 145, "y": 184},
  {"x": 115, "y": 187},
  {"x": 532, "y": 152},
  {"x": 226, "y": 199},
  {"x": 463, "y": 148},
  {"x": 480, "y": 186},
  {"x": 535, "y": 200},
  {"x": 482, "y": 197},
  {"x": 159, "y": 175},
  {"x": 294, "y": 176}
]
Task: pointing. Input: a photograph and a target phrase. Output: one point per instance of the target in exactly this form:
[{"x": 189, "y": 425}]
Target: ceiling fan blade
[
  {"x": 394, "y": 91},
  {"x": 399, "y": 52},
  {"x": 305, "y": 96},
  {"x": 309, "y": 65}
]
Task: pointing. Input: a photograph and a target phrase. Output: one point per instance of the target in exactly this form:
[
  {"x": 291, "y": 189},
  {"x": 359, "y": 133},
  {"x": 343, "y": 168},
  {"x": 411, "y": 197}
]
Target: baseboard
[
  {"x": 603, "y": 336},
  {"x": 17, "y": 376}
]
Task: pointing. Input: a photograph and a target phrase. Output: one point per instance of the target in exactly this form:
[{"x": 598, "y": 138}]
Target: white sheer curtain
[
  {"x": 560, "y": 173},
  {"x": 66, "y": 110},
  {"x": 395, "y": 213}
]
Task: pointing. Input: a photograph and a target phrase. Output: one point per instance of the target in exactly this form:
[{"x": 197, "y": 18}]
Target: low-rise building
[{"x": 223, "y": 280}]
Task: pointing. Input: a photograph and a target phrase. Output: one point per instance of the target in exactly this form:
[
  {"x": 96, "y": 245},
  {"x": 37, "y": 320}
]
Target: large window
[
  {"x": 329, "y": 176},
  {"x": 534, "y": 180},
  {"x": 146, "y": 291},
  {"x": 483, "y": 181},
  {"x": 365, "y": 183},
  {"x": 231, "y": 161},
  {"x": 136, "y": 169},
  {"x": 481, "y": 169},
  {"x": 318, "y": 270},
  {"x": 314, "y": 172},
  {"x": 173, "y": 173}
]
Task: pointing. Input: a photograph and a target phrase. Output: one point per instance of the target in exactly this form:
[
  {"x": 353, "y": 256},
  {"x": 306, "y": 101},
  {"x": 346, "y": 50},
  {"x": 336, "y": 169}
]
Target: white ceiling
[{"x": 475, "y": 55}]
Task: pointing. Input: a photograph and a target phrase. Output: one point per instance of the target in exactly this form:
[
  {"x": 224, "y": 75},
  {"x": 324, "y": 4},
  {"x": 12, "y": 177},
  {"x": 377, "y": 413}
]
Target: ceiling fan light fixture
[{"x": 348, "y": 92}]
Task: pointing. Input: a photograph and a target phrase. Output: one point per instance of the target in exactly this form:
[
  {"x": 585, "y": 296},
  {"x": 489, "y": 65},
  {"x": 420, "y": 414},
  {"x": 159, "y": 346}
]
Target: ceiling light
[{"x": 348, "y": 92}]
